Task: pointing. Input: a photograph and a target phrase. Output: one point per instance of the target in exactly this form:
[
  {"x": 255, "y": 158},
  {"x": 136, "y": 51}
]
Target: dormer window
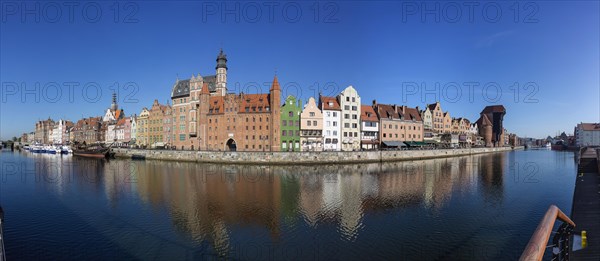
[{"x": 330, "y": 104}]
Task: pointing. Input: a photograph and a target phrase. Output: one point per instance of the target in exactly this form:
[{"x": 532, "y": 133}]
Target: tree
[{"x": 14, "y": 138}]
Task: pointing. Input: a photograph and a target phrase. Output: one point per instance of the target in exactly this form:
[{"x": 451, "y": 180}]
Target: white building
[
  {"x": 59, "y": 134},
  {"x": 426, "y": 115},
  {"x": 110, "y": 135},
  {"x": 133, "y": 127},
  {"x": 587, "y": 134},
  {"x": 350, "y": 105},
  {"x": 369, "y": 132},
  {"x": 331, "y": 123}
]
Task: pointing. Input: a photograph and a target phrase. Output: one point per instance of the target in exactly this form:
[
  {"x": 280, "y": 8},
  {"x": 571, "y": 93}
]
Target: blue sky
[{"x": 548, "y": 51}]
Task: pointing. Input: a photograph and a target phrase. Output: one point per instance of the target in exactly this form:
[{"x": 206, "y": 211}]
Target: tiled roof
[
  {"x": 590, "y": 126},
  {"x": 205, "y": 88},
  {"x": 432, "y": 106},
  {"x": 275, "y": 84},
  {"x": 412, "y": 114},
  {"x": 367, "y": 113},
  {"x": 325, "y": 103},
  {"x": 254, "y": 101},
  {"x": 216, "y": 103},
  {"x": 494, "y": 108},
  {"x": 181, "y": 88},
  {"x": 387, "y": 111}
]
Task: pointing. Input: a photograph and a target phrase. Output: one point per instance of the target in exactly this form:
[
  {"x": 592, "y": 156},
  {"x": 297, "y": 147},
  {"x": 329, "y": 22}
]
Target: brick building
[
  {"x": 239, "y": 122},
  {"x": 490, "y": 125},
  {"x": 43, "y": 131},
  {"x": 87, "y": 130}
]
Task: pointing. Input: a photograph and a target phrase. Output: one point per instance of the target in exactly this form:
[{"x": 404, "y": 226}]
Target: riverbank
[{"x": 275, "y": 158}]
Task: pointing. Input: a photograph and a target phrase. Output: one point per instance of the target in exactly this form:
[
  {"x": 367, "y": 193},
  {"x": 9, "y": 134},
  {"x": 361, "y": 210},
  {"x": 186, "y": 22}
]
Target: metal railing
[{"x": 539, "y": 240}]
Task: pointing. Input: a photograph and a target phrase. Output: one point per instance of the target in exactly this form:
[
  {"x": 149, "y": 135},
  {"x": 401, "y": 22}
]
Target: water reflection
[
  {"x": 208, "y": 201},
  {"x": 223, "y": 205}
]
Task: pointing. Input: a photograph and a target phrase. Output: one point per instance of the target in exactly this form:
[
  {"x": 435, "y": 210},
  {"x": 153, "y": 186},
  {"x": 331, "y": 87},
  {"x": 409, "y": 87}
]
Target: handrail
[{"x": 537, "y": 244}]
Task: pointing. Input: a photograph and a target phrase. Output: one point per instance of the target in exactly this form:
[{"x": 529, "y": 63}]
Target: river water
[{"x": 481, "y": 207}]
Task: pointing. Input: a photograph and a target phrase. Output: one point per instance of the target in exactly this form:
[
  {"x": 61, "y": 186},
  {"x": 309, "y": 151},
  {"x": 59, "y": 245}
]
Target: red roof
[
  {"x": 367, "y": 113},
  {"x": 590, "y": 126},
  {"x": 329, "y": 103},
  {"x": 412, "y": 114},
  {"x": 387, "y": 111},
  {"x": 255, "y": 101},
  {"x": 216, "y": 103}
]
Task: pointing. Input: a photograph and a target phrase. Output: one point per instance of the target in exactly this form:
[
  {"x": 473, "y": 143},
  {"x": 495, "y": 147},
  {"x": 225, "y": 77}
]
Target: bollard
[{"x": 583, "y": 239}]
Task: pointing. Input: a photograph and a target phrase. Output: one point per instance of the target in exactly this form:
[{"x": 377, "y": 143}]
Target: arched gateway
[{"x": 231, "y": 145}]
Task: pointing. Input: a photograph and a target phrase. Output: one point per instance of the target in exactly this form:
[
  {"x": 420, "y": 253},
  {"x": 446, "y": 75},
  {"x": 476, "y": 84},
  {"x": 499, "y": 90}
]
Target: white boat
[{"x": 548, "y": 145}]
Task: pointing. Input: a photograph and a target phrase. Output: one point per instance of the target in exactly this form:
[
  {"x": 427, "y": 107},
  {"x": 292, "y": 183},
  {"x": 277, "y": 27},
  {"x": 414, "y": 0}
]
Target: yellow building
[{"x": 142, "y": 128}]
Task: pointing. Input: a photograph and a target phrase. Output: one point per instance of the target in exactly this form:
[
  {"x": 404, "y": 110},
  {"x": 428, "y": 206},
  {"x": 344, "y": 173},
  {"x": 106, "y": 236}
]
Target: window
[
  {"x": 354, "y": 125},
  {"x": 308, "y": 123},
  {"x": 354, "y": 108},
  {"x": 291, "y": 123},
  {"x": 345, "y": 134},
  {"x": 354, "y": 117},
  {"x": 181, "y": 137},
  {"x": 284, "y": 123},
  {"x": 348, "y": 99},
  {"x": 314, "y": 123},
  {"x": 346, "y": 116},
  {"x": 384, "y": 135},
  {"x": 312, "y": 114},
  {"x": 335, "y": 124},
  {"x": 291, "y": 114},
  {"x": 346, "y": 125},
  {"x": 334, "y": 114},
  {"x": 334, "y": 133},
  {"x": 347, "y": 107},
  {"x": 328, "y": 114},
  {"x": 284, "y": 133}
]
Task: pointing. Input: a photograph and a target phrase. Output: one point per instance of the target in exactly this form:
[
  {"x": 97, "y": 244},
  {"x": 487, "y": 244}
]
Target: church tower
[
  {"x": 114, "y": 106},
  {"x": 221, "y": 82}
]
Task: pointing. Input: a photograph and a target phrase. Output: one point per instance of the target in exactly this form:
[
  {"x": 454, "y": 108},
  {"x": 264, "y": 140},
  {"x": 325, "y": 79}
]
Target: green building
[{"x": 290, "y": 124}]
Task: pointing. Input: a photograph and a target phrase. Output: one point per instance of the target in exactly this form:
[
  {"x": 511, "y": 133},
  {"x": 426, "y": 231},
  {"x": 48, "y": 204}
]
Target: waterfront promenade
[
  {"x": 586, "y": 204},
  {"x": 326, "y": 157}
]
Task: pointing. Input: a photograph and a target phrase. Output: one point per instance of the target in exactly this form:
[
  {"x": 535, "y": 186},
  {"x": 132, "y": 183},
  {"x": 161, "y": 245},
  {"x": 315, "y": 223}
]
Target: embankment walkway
[{"x": 274, "y": 158}]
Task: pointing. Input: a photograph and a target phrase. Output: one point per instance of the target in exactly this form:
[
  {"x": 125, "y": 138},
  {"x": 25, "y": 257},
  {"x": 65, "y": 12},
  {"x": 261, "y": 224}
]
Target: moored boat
[{"x": 95, "y": 151}]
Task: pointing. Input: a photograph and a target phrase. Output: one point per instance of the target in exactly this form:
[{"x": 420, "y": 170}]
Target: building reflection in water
[{"x": 206, "y": 200}]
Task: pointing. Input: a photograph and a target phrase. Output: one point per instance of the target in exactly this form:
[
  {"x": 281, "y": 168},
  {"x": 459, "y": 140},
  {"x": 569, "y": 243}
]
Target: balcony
[{"x": 193, "y": 132}]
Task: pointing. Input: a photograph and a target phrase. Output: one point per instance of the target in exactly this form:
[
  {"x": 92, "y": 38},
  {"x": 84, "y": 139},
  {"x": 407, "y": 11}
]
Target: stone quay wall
[{"x": 278, "y": 158}]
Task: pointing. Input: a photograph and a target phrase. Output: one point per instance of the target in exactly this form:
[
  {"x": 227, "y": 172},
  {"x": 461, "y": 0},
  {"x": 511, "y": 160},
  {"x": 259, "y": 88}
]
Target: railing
[{"x": 539, "y": 240}]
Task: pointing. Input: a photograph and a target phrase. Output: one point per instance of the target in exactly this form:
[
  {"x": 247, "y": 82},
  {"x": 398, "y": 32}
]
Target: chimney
[{"x": 374, "y": 103}]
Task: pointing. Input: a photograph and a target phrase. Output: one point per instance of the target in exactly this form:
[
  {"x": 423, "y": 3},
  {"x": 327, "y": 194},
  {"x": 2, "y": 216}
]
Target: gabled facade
[
  {"x": 87, "y": 130},
  {"x": 369, "y": 132},
  {"x": 142, "y": 128},
  {"x": 311, "y": 127},
  {"x": 332, "y": 115},
  {"x": 156, "y": 133},
  {"x": 350, "y": 122},
  {"x": 290, "y": 124},
  {"x": 427, "y": 117},
  {"x": 43, "y": 131}
]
